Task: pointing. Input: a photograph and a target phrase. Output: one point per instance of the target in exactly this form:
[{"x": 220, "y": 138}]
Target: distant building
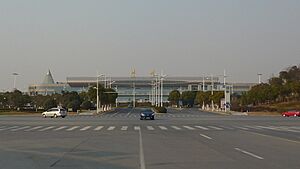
[
  {"x": 48, "y": 86},
  {"x": 143, "y": 86}
]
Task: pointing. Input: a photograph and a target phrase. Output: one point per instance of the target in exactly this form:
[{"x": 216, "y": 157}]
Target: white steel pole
[
  {"x": 212, "y": 92},
  {"x": 161, "y": 92},
  {"x": 225, "y": 92},
  {"x": 97, "y": 93}
]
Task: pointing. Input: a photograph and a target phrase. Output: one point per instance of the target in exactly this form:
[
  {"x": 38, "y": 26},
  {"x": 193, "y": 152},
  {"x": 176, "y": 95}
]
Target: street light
[
  {"x": 259, "y": 78},
  {"x": 15, "y": 79},
  {"x": 162, "y": 76},
  {"x": 98, "y": 76}
]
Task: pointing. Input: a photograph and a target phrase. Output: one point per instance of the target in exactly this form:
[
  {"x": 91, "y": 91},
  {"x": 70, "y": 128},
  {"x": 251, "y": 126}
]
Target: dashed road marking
[
  {"x": 85, "y": 128},
  {"x": 60, "y": 128},
  {"x": 189, "y": 128},
  {"x": 201, "y": 127},
  {"x": 73, "y": 128},
  {"x": 215, "y": 128},
  {"x": 163, "y": 127},
  {"x": 34, "y": 128},
  {"x": 249, "y": 153},
  {"x": 111, "y": 128},
  {"x": 98, "y": 128},
  {"x": 205, "y": 136},
  {"x": 176, "y": 128},
  {"x": 47, "y": 128},
  {"x": 150, "y": 128},
  {"x": 21, "y": 128},
  {"x": 124, "y": 128}
]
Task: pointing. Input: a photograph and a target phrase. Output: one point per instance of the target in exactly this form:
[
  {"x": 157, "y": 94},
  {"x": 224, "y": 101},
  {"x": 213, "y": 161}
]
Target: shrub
[{"x": 160, "y": 109}]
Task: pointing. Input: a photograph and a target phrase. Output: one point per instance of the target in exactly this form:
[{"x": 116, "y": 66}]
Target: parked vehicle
[
  {"x": 291, "y": 113},
  {"x": 55, "y": 112}
]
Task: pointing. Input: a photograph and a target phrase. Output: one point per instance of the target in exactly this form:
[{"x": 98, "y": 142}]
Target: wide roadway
[{"x": 186, "y": 138}]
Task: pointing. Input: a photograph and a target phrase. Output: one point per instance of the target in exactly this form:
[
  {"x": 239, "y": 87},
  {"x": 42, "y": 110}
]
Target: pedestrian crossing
[{"x": 82, "y": 128}]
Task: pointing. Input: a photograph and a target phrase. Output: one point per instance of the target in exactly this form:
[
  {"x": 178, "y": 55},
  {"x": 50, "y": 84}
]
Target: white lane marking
[
  {"x": 150, "y": 128},
  {"x": 73, "y": 128},
  {"x": 189, "y": 128},
  {"x": 243, "y": 128},
  {"x": 111, "y": 128},
  {"x": 215, "y": 128},
  {"x": 9, "y": 128},
  {"x": 47, "y": 128},
  {"x": 201, "y": 127},
  {"x": 60, "y": 128},
  {"x": 21, "y": 128},
  {"x": 205, "y": 136},
  {"x": 99, "y": 128},
  {"x": 176, "y": 128},
  {"x": 124, "y": 128},
  {"x": 34, "y": 128},
  {"x": 163, "y": 127},
  {"x": 127, "y": 115},
  {"x": 85, "y": 128},
  {"x": 253, "y": 127},
  {"x": 248, "y": 153},
  {"x": 283, "y": 129},
  {"x": 142, "y": 156},
  {"x": 137, "y": 128}
]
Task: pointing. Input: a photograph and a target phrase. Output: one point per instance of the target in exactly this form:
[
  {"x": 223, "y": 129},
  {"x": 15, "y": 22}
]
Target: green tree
[
  {"x": 49, "y": 103},
  {"x": 86, "y": 105},
  {"x": 174, "y": 97},
  {"x": 188, "y": 98},
  {"x": 202, "y": 97}
]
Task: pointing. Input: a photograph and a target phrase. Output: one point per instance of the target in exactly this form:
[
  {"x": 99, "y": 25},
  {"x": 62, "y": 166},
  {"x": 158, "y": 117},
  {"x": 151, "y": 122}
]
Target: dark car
[{"x": 147, "y": 114}]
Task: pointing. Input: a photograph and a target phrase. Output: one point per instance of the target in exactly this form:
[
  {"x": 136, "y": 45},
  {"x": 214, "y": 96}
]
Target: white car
[{"x": 55, "y": 112}]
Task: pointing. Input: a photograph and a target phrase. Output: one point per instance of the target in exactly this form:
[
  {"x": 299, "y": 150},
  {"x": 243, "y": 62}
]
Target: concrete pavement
[{"x": 186, "y": 138}]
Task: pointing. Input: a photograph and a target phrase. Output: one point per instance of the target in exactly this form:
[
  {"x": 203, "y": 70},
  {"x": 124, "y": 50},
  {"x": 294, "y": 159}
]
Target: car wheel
[
  {"x": 44, "y": 115},
  {"x": 152, "y": 118},
  {"x": 63, "y": 116},
  {"x": 55, "y": 116},
  {"x": 295, "y": 115},
  {"x": 141, "y": 118}
]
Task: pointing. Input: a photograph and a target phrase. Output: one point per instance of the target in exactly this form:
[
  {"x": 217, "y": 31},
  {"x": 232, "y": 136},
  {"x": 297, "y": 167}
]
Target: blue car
[{"x": 147, "y": 114}]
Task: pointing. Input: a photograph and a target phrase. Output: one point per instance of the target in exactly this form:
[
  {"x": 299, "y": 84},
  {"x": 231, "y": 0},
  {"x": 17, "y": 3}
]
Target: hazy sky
[{"x": 182, "y": 37}]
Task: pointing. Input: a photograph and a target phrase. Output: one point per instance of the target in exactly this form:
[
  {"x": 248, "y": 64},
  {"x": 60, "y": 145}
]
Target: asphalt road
[{"x": 179, "y": 139}]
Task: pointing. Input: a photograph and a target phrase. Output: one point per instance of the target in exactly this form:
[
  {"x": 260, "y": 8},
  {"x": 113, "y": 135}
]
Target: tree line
[
  {"x": 191, "y": 98},
  {"x": 284, "y": 88},
  {"x": 17, "y": 100}
]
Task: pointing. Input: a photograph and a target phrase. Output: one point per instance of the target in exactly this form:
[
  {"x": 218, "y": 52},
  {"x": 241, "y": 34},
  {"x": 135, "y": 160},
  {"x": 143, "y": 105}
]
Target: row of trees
[
  {"x": 285, "y": 87},
  {"x": 71, "y": 100},
  {"x": 190, "y": 98}
]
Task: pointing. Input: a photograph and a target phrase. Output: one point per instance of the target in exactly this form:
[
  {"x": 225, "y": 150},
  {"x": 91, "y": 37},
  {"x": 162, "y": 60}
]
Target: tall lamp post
[
  {"x": 98, "y": 76},
  {"x": 15, "y": 80},
  {"x": 162, "y": 76},
  {"x": 133, "y": 75},
  {"x": 259, "y": 78}
]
